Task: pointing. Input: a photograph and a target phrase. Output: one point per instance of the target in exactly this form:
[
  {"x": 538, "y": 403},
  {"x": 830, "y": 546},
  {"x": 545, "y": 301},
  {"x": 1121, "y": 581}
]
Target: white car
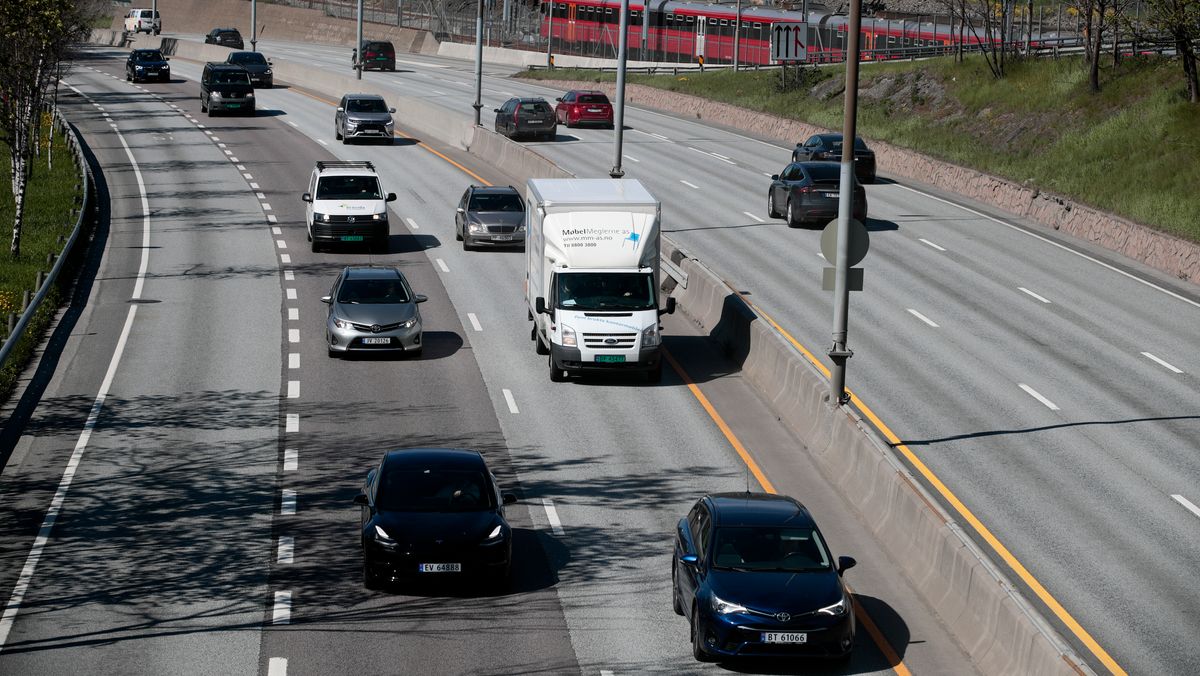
[
  {"x": 143, "y": 21},
  {"x": 346, "y": 205}
]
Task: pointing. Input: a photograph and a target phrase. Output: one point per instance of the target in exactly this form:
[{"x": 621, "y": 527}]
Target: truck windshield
[{"x": 606, "y": 291}]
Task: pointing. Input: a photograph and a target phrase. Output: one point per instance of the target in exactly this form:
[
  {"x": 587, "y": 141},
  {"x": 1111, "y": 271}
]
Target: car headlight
[
  {"x": 495, "y": 536},
  {"x": 139, "y": 67},
  {"x": 378, "y": 217},
  {"x": 475, "y": 226},
  {"x": 382, "y": 537},
  {"x": 408, "y": 324},
  {"x": 568, "y": 336},
  {"x": 389, "y": 123},
  {"x": 267, "y": 71},
  {"x": 343, "y": 324},
  {"x": 214, "y": 95},
  {"x": 837, "y": 609},
  {"x": 351, "y": 124},
  {"x": 722, "y": 607},
  {"x": 520, "y": 228},
  {"x": 249, "y": 95},
  {"x": 321, "y": 217},
  {"x": 650, "y": 336}
]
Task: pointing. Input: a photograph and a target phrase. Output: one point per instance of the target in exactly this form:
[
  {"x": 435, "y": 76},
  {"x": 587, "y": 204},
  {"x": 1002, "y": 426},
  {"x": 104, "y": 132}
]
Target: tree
[
  {"x": 1180, "y": 20},
  {"x": 35, "y": 38}
]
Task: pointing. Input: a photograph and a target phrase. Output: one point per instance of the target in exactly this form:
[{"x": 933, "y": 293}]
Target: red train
[{"x": 686, "y": 31}]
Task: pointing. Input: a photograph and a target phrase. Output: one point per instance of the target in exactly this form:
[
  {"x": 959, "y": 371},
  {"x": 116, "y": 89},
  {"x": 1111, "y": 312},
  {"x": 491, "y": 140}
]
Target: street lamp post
[
  {"x": 254, "y": 25},
  {"x": 478, "y": 61},
  {"x": 550, "y": 37},
  {"x": 619, "y": 114},
  {"x": 737, "y": 34},
  {"x": 358, "y": 64}
]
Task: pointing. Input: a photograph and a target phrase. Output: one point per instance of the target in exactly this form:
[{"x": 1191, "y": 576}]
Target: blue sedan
[{"x": 755, "y": 577}]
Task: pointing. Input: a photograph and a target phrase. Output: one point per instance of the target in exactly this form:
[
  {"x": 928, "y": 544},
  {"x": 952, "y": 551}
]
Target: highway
[
  {"x": 205, "y": 522},
  {"x": 1051, "y": 385}
]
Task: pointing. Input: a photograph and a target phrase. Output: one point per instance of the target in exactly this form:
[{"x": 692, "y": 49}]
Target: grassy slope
[{"x": 1133, "y": 149}]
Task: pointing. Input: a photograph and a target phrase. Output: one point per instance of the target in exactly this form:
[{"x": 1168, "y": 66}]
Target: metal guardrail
[{"x": 75, "y": 146}]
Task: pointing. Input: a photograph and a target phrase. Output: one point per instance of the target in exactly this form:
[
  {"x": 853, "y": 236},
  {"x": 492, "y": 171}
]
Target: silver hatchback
[{"x": 372, "y": 309}]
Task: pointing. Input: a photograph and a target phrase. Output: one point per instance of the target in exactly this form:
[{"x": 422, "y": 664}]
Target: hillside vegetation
[{"x": 1133, "y": 149}]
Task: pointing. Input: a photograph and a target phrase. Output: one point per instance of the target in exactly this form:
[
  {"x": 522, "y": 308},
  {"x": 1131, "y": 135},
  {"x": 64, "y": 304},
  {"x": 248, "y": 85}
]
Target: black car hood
[
  {"x": 159, "y": 63},
  {"x": 452, "y": 528},
  {"x": 794, "y": 593},
  {"x": 376, "y": 313}
]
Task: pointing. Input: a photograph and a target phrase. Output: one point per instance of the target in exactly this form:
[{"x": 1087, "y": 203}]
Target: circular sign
[{"x": 860, "y": 241}]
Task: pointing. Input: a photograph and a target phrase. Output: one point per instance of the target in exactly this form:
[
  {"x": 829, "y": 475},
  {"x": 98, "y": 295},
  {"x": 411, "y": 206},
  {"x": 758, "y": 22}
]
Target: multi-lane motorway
[{"x": 1051, "y": 387}]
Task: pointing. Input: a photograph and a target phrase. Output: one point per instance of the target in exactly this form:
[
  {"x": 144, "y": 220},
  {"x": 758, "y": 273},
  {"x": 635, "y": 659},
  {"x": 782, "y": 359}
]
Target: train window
[
  {"x": 724, "y": 22},
  {"x": 691, "y": 19},
  {"x": 757, "y": 24},
  {"x": 712, "y": 22}
]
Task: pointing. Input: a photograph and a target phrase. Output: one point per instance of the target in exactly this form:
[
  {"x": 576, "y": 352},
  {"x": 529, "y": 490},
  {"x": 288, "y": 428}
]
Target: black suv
[
  {"x": 144, "y": 64},
  {"x": 256, "y": 65},
  {"x": 376, "y": 54},
  {"x": 226, "y": 87},
  {"x": 226, "y": 37}
]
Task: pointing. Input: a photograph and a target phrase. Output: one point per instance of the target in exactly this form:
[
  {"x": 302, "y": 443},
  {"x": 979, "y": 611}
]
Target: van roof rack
[{"x": 344, "y": 164}]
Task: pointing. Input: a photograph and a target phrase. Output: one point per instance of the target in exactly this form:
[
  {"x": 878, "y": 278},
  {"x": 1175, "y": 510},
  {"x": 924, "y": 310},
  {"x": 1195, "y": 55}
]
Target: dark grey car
[
  {"x": 363, "y": 116},
  {"x": 490, "y": 215},
  {"x": 372, "y": 309},
  {"x": 533, "y": 117},
  {"x": 256, "y": 65}
]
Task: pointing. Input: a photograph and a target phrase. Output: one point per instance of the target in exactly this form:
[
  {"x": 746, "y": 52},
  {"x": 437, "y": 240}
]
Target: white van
[
  {"x": 345, "y": 203},
  {"x": 143, "y": 21}
]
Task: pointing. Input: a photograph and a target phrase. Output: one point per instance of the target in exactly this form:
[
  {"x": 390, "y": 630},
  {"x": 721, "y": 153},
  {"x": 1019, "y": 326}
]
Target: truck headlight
[
  {"x": 214, "y": 95},
  {"x": 568, "y": 336},
  {"x": 650, "y": 336}
]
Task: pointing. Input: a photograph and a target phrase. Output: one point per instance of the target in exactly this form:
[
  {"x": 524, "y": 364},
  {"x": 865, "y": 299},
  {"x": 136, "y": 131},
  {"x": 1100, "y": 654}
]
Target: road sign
[
  {"x": 860, "y": 241},
  {"x": 789, "y": 42}
]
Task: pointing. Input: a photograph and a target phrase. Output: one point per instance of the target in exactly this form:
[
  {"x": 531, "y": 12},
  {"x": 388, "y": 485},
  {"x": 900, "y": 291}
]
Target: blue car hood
[{"x": 769, "y": 592}]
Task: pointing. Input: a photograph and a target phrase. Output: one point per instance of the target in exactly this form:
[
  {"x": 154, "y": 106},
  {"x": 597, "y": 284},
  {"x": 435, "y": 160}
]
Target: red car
[{"x": 578, "y": 107}]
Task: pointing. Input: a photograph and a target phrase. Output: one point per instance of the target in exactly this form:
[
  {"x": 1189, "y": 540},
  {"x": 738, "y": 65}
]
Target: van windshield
[
  {"x": 348, "y": 188},
  {"x": 605, "y": 291},
  {"x": 231, "y": 77}
]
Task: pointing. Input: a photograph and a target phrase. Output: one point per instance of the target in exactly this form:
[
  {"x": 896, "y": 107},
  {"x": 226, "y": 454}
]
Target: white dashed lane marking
[
  {"x": 293, "y": 314},
  {"x": 291, "y": 294},
  {"x": 293, "y": 389},
  {"x": 753, "y": 216},
  {"x": 1034, "y": 393},
  {"x": 925, "y": 241},
  {"x": 293, "y": 423},
  {"x": 442, "y": 264},
  {"x": 282, "y": 612},
  {"x": 474, "y": 321},
  {"x": 285, "y": 258},
  {"x": 412, "y": 224},
  {"x": 1030, "y": 293},
  {"x": 512, "y": 403},
  {"x": 552, "y": 516},
  {"x": 922, "y": 317},
  {"x": 291, "y": 459},
  {"x": 1160, "y": 362},
  {"x": 287, "y": 502},
  {"x": 287, "y": 546},
  {"x": 293, "y": 360},
  {"x": 1187, "y": 504},
  {"x": 631, "y": 158},
  {"x": 277, "y": 666},
  {"x": 693, "y": 186},
  {"x": 293, "y": 335}
]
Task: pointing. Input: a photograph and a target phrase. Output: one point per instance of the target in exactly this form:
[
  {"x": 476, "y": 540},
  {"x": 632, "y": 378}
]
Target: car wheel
[
  {"x": 466, "y": 244},
  {"x": 203, "y": 106},
  {"x": 556, "y": 374},
  {"x": 654, "y": 375},
  {"x": 314, "y": 246},
  {"x": 675, "y": 604},
  {"x": 209, "y": 110},
  {"x": 457, "y": 233},
  {"x": 332, "y": 353},
  {"x": 698, "y": 650},
  {"x": 772, "y": 212},
  {"x": 371, "y": 578},
  {"x": 791, "y": 219},
  {"x": 539, "y": 345},
  {"x": 128, "y": 77},
  {"x": 337, "y": 135}
]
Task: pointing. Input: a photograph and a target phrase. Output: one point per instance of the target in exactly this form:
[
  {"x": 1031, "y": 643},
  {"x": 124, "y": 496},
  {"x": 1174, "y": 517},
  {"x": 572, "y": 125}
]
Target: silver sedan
[{"x": 372, "y": 309}]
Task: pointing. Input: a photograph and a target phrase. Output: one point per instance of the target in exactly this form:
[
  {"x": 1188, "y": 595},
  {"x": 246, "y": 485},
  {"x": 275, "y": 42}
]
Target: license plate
[
  {"x": 376, "y": 341},
  {"x": 502, "y": 238},
  {"x": 610, "y": 359},
  {"x": 535, "y": 121},
  {"x": 784, "y": 637},
  {"x": 593, "y": 110},
  {"x": 831, "y": 195},
  {"x": 352, "y": 238},
  {"x": 233, "y": 105},
  {"x": 381, "y": 58},
  {"x": 439, "y": 567}
]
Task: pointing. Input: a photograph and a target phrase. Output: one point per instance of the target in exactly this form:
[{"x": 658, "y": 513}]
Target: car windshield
[
  {"x": 606, "y": 291},
  {"x": 231, "y": 77},
  {"x": 348, "y": 188},
  {"x": 248, "y": 59},
  {"x": 147, "y": 56},
  {"x": 366, "y": 106},
  {"x": 496, "y": 202},
  {"x": 769, "y": 548},
  {"x": 372, "y": 292},
  {"x": 593, "y": 98},
  {"x": 823, "y": 173},
  {"x": 433, "y": 490},
  {"x": 835, "y": 144}
]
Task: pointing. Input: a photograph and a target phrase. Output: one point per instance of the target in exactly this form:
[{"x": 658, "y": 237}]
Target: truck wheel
[
  {"x": 654, "y": 375},
  {"x": 540, "y": 346},
  {"x": 556, "y": 374}
]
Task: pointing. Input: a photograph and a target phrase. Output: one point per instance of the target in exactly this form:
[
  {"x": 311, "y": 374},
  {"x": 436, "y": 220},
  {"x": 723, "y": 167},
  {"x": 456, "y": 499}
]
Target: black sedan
[
  {"x": 753, "y": 574},
  {"x": 226, "y": 37},
  {"x": 531, "y": 116},
  {"x": 147, "y": 64},
  {"x": 434, "y": 513},
  {"x": 256, "y": 65},
  {"x": 828, "y": 147},
  {"x": 809, "y": 192}
]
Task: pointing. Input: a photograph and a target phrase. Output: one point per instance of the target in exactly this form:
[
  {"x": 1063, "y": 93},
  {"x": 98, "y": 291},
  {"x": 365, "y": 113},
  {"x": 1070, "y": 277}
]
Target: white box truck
[{"x": 592, "y": 275}]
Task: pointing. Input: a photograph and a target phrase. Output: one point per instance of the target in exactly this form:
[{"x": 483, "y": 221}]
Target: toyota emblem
[
  {"x": 375, "y": 328},
  {"x": 783, "y": 617}
]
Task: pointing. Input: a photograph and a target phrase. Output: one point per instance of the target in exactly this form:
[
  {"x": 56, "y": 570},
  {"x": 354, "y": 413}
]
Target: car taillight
[
  {"x": 804, "y": 188},
  {"x": 577, "y": 108},
  {"x": 515, "y": 114}
]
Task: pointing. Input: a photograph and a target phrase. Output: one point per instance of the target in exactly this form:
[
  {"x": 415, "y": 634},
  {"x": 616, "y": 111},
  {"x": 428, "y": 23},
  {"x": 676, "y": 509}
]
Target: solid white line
[
  {"x": 1160, "y": 362},
  {"x": 287, "y": 501},
  {"x": 1187, "y": 504},
  {"x": 293, "y": 335},
  {"x": 291, "y": 294},
  {"x": 512, "y": 403},
  {"x": 660, "y": 136},
  {"x": 931, "y": 244},
  {"x": 60, "y": 495},
  {"x": 552, "y": 516},
  {"x": 291, "y": 459},
  {"x": 1053, "y": 243},
  {"x": 293, "y": 314},
  {"x": 293, "y": 423},
  {"x": 442, "y": 264},
  {"x": 922, "y": 317},
  {"x": 1024, "y": 290},
  {"x": 293, "y": 124},
  {"x": 282, "y": 613},
  {"x": 293, "y": 360},
  {"x": 277, "y": 666},
  {"x": 754, "y": 217},
  {"x": 322, "y": 142},
  {"x": 412, "y": 224},
  {"x": 287, "y": 547},
  {"x": 474, "y": 321},
  {"x": 1034, "y": 393},
  {"x": 289, "y": 276},
  {"x": 693, "y": 186},
  {"x": 293, "y": 389},
  {"x": 631, "y": 158}
]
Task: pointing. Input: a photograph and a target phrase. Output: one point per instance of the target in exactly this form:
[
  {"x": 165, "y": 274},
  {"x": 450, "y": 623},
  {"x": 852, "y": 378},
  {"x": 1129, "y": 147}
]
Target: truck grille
[{"x": 611, "y": 341}]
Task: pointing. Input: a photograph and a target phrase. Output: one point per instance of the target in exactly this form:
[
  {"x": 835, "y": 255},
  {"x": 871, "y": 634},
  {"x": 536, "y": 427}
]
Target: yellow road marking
[{"x": 1059, "y": 611}]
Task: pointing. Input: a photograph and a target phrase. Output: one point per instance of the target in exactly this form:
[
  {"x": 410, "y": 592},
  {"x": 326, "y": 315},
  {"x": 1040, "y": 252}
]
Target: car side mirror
[
  {"x": 420, "y": 298},
  {"x": 327, "y": 299},
  {"x": 508, "y": 498},
  {"x": 166, "y": 58},
  {"x": 461, "y": 210},
  {"x": 495, "y": 110},
  {"x": 559, "y": 99},
  {"x": 306, "y": 197},
  {"x": 392, "y": 111},
  {"x": 341, "y": 109},
  {"x": 391, "y": 197},
  {"x": 799, "y": 145},
  {"x": 539, "y": 305},
  {"x": 361, "y": 499},
  {"x": 845, "y": 563},
  {"x": 670, "y": 309},
  {"x": 774, "y": 177},
  {"x": 686, "y": 559}
]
